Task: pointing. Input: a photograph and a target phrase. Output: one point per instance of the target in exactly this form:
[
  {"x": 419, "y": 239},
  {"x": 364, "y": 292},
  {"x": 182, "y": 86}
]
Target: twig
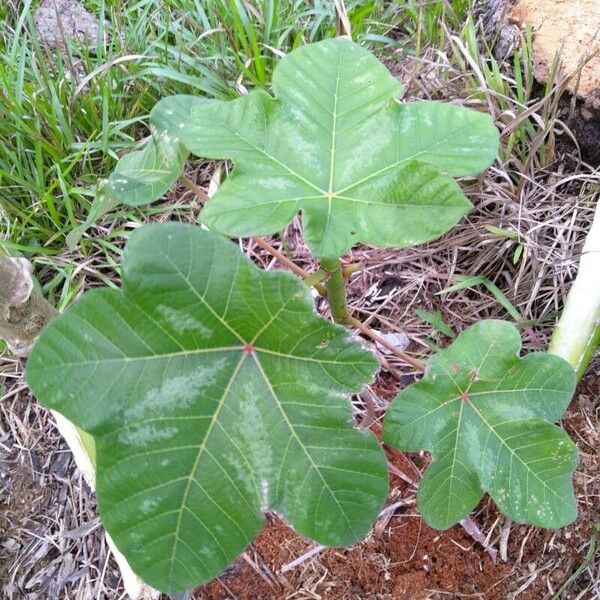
[
  {"x": 288, "y": 263},
  {"x": 306, "y": 556},
  {"x": 417, "y": 364},
  {"x": 396, "y": 471},
  {"x": 194, "y": 187},
  {"x": 473, "y": 530},
  {"x": 256, "y": 568},
  {"x": 504, "y": 535}
]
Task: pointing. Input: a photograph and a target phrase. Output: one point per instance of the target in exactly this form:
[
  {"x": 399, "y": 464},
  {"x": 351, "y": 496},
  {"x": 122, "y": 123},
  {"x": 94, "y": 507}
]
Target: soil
[
  {"x": 587, "y": 131},
  {"x": 404, "y": 559}
]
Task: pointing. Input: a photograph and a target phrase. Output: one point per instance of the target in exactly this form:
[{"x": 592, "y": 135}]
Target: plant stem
[
  {"x": 336, "y": 290},
  {"x": 577, "y": 333},
  {"x": 336, "y": 295},
  {"x": 350, "y": 269}
]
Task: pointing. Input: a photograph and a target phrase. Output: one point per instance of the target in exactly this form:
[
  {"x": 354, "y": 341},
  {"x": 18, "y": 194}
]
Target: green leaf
[
  {"x": 469, "y": 281},
  {"x": 146, "y": 175},
  {"x": 436, "y": 321},
  {"x": 509, "y": 234},
  {"x": 486, "y": 416},
  {"x": 336, "y": 145},
  {"x": 139, "y": 177},
  {"x": 215, "y": 393},
  {"x": 102, "y": 204}
]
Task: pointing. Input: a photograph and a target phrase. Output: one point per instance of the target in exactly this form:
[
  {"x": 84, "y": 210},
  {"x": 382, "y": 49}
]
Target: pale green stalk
[
  {"x": 577, "y": 333},
  {"x": 338, "y": 303},
  {"x": 336, "y": 290}
]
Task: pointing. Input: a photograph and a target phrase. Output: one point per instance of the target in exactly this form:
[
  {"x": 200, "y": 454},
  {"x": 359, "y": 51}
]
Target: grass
[
  {"x": 427, "y": 23},
  {"x": 58, "y": 137}
]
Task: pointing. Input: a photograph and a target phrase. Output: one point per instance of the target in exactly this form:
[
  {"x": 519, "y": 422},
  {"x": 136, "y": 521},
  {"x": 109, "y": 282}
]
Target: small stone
[
  {"x": 59, "y": 21},
  {"x": 399, "y": 340}
]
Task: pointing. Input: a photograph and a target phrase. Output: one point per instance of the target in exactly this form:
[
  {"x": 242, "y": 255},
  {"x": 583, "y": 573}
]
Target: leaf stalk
[
  {"x": 338, "y": 303},
  {"x": 293, "y": 267},
  {"x": 364, "y": 329},
  {"x": 334, "y": 289}
]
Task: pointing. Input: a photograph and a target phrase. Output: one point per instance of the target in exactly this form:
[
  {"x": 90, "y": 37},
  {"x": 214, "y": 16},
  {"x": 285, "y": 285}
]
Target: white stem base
[
  {"x": 134, "y": 586},
  {"x": 577, "y": 332}
]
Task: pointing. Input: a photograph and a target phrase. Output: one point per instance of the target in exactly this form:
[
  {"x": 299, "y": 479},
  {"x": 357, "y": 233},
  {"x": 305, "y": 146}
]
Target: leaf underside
[
  {"x": 334, "y": 144},
  {"x": 139, "y": 177},
  {"x": 215, "y": 393},
  {"x": 147, "y": 174},
  {"x": 486, "y": 415}
]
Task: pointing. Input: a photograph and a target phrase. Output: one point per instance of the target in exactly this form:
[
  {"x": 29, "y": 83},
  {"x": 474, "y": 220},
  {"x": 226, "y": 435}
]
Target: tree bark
[{"x": 23, "y": 312}]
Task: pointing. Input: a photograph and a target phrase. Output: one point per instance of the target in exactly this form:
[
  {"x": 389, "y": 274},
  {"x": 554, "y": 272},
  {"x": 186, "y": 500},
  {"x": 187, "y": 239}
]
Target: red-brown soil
[{"x": 404, "y": 559}]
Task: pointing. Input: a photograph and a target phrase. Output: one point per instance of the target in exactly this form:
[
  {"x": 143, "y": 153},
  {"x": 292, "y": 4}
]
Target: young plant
[
  {"x": 486, "y": 415},
  {"x": 212, "y": 389}
]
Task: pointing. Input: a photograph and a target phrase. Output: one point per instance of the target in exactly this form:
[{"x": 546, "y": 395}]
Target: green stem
[
  {"x": 336, "y": 290},
  {"x": 577, "y": 333},
  {"x": 336, "y": 296}
]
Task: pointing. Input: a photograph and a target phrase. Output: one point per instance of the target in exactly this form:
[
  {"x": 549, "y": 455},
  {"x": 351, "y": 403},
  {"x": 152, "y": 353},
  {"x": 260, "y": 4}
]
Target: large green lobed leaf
[
  {"x": 215, "y": 393},
  {"x": 335, "y": 144},
  {"x": 487, "y": 416}
]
